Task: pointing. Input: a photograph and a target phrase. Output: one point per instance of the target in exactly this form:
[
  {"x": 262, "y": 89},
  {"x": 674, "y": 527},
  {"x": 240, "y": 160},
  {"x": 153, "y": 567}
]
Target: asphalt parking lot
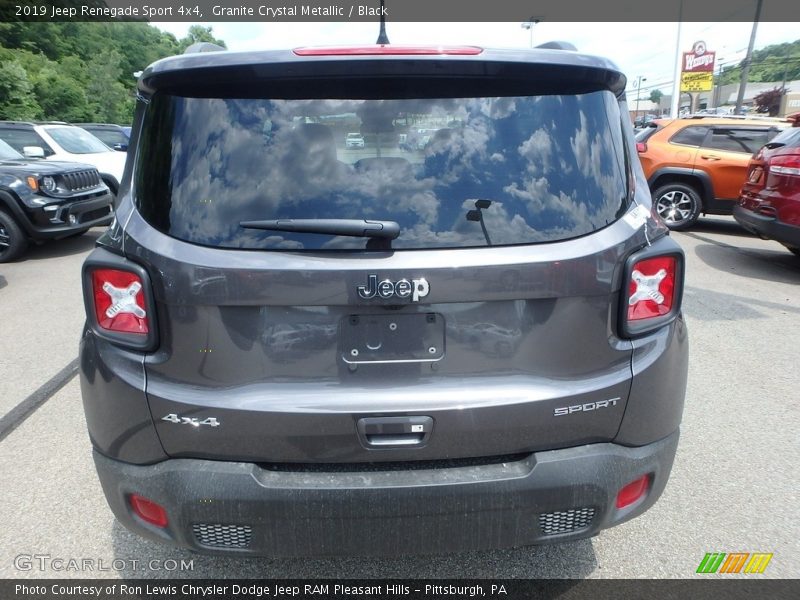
[{"x": 733, "y": 487}]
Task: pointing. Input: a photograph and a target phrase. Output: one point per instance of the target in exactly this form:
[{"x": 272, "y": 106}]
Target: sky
[{"x": 639, "y": 49}]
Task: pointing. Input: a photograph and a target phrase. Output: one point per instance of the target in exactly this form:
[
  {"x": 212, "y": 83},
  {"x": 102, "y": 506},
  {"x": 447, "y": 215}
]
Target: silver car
[{"x": 354, "y": 140}]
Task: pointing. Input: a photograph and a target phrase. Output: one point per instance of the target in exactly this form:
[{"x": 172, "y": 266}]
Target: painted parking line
[{"x": 17, "y": 415}]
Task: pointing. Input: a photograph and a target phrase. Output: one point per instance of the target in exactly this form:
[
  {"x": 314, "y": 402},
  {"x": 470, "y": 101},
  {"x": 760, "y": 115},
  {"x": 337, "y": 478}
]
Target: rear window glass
[
  {"x": 787, "y": 137},
  {"x": 109, "y": 136},
  {"x": 76, "y": 140},
  {"x": 452, "y": 172},
  {"x": 690, "y": 136},
  {"x": 644, "y": 134},
  {"x": 738, "y": 140}
]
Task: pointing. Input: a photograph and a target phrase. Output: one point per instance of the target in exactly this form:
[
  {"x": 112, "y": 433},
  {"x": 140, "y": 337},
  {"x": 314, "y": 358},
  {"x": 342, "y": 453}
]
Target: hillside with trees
[
  {"x": 80, "y": 71},
  {"x": 778, "y": 62}
]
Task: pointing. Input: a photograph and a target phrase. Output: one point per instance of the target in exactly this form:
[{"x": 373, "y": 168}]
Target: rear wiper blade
[{"x": 352, "y": 227}]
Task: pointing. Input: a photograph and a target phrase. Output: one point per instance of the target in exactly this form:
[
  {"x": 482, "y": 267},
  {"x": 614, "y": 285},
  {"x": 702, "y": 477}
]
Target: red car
[{"x": 769, "y": 204}]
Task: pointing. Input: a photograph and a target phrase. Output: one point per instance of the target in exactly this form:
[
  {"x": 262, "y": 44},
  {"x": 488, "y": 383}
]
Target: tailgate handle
[{"x": 394, "y": 432}]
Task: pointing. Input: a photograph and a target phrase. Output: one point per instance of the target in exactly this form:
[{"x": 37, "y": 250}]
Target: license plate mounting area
[{"x": 397, "y": 338}]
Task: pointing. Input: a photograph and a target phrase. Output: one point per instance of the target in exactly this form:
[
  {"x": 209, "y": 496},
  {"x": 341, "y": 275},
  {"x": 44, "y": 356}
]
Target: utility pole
[
  {"x": 718, "y": 87},
  {"x": 639, "y": 80},
  {"x": 675, "y": 104},
  {"x": 748, "y": 60}
]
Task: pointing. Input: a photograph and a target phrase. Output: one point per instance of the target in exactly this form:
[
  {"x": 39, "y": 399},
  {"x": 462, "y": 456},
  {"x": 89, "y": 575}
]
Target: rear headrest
[
  {"x": 315, "y": 138},
  {"x": 386, "y": 163}
]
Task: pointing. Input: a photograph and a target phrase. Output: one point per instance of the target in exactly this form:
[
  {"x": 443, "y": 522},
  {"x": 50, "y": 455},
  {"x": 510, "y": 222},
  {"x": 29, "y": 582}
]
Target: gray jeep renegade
[{"x": 465, "y": 333}]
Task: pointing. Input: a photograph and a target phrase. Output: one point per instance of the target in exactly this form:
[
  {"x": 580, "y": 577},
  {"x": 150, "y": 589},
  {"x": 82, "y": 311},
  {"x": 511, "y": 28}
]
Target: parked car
[
  {"x": 47, "y": 200},
  {"x": 113, "y": 136},
  {"x": 643, "y": 120},
  {"x": 719, "y": 110},
  {"x": 769, "y": 205},
  {"x": 354, "y": 140},
  {"x": 316, "y": 400},
  {"x": 697, "y": 165},
  {"x": 63, "y": 142}
]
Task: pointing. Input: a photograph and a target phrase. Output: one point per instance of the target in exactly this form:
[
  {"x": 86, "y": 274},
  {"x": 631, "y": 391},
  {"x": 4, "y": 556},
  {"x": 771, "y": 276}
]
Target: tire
[
  {"x": 112, "y": 188},
  {"x": 678, "y": 204},
  {"x": 12, "y": 239}
]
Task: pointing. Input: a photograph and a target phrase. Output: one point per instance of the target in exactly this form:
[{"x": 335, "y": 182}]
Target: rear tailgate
[
  {"x": 280, "y": 378},
  {"x": 487, "y": 328}
]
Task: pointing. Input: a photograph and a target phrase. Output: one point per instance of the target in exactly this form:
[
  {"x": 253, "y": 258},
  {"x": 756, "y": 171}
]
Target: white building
[{"x": 725, "y": 96}]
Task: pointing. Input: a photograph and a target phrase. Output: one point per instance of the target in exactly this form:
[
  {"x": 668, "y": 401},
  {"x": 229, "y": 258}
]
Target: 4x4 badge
[
  {"x": 179, "y": 420},
  {"x": 416, "y": 288}
]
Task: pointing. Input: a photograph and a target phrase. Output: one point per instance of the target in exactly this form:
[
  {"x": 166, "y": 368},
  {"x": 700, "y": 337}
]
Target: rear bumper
[
  {"x": 244, "y": 508},
  {"x": 767, "y": 226}
]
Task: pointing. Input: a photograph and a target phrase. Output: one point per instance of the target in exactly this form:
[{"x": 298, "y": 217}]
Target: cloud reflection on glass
[{"x": 552, "y": 167}]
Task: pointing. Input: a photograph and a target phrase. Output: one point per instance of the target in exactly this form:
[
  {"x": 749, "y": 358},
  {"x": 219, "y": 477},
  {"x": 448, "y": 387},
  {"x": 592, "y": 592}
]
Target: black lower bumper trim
[
  {"x": 556, "y": 495},
  {"x": 767, "y": 227}
]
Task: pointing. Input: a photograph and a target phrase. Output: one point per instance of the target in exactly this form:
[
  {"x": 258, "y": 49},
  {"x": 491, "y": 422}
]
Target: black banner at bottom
[{"x": 390, "y": 589}]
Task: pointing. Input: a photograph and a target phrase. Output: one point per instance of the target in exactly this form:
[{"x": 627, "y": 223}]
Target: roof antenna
[{"x": 382, "y": 37}]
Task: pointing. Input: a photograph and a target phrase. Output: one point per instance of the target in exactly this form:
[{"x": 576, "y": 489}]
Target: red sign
[{"x": 698, "y": 60}]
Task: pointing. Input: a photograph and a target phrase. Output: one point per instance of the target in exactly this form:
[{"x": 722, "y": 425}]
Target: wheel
[
  {"x": 12, "y": 239},
  {"x": 678, "y": 204}
]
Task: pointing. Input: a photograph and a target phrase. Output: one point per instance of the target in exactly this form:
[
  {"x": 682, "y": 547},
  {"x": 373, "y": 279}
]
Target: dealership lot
[{"x": 733, "y": 487}]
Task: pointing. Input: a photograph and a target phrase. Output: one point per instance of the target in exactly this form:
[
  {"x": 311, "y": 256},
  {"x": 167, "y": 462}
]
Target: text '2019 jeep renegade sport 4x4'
[{"x": 299, "y": 347}]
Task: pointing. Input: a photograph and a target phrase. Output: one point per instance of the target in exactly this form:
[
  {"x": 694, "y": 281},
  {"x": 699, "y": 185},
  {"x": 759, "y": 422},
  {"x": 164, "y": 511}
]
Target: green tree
[
  {"x": 38, "y": 37},
  {"x": 61, "y": 96},
  {"x": 81, "y": 71},
  {"x": 198, "y": 33},
  {"x": 140, "y": 44},
  {"x": 655, "y": 96},
  {"x": 108, "y": 98},
  {"x": 17, "y": 100}
]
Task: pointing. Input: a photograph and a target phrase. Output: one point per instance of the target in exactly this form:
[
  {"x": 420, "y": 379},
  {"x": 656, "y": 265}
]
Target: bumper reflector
[
  {"x": 633, "y": 491},
  {"x": 149, "y": 511}
]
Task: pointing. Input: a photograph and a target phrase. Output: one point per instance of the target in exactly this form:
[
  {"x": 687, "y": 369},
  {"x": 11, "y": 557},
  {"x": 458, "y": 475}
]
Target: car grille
[
  {"x": 566, "y": 521},
  {"x": 80, "y": 180},
  {"x": 215, "y": 535}
]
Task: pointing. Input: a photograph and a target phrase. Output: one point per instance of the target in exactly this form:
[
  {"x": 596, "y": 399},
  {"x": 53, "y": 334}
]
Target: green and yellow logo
[{"x": 735, "y": 562}]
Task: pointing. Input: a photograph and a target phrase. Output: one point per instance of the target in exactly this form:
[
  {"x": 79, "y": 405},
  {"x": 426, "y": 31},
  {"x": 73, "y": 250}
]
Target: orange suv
[{"x": 698, "y": 164}]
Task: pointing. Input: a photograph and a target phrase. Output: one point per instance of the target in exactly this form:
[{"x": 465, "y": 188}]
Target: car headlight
[{"x": 49, "y": 184}]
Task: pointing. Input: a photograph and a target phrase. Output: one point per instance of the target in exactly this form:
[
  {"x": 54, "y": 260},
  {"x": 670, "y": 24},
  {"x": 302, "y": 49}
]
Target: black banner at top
[{"x": 399, "y": 10}]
